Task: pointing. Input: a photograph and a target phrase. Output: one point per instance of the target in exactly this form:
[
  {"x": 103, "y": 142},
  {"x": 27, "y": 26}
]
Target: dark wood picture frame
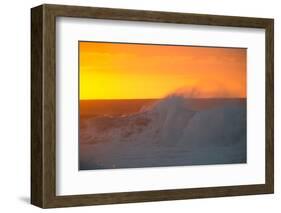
[{"x": 43, "y": 105}]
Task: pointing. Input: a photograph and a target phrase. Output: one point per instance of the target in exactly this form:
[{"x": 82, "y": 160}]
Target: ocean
[{"x": 173, "y": 131}]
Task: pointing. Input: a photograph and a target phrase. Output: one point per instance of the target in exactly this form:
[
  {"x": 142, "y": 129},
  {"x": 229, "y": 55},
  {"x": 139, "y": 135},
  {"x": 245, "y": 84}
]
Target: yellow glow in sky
[{"x": 138, "y": 71}]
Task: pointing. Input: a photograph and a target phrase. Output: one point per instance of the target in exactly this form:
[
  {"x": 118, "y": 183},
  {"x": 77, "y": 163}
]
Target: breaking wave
[{"x": 171, "y": 132}]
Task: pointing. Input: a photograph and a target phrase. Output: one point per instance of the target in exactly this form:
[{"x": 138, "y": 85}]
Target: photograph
[
  {"x": 158, "y": 105},
  {"x": 140, "y": 105}
]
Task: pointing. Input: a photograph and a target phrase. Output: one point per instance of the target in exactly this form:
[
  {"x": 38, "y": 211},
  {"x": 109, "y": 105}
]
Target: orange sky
[{"x": 135, "y": 71}]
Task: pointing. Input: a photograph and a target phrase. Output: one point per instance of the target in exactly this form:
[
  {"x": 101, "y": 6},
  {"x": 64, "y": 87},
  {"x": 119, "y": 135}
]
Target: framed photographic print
[{"x": 136, "y": 106}]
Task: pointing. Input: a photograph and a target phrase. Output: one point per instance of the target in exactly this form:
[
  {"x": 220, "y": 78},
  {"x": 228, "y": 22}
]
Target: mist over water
[{"x": 178, "y": 130}]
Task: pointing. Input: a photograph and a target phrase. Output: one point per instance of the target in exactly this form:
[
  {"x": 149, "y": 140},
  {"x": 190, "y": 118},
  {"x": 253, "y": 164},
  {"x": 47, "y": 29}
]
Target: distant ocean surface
[{"x": 175, "y": 131}]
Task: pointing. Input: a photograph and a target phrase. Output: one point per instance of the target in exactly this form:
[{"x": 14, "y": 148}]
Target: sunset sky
[{"x": 138, "y": 71}]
